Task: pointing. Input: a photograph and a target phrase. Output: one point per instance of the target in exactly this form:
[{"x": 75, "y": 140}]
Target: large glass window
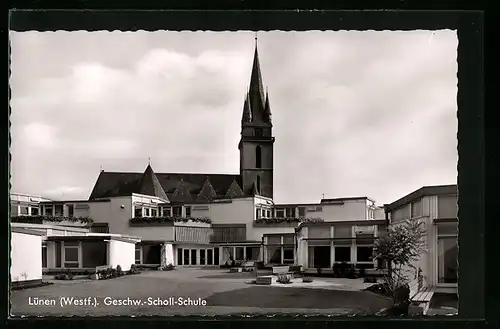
[
  {"x": 342, "y": 254},
  {"x": 48, "y": 210},
  {"x": 186, "y": 256},
  {"x": 416, "y": 208},
  {"x": 71, "y": 210},
  {"x": 202, "y": 257},
  {"x": 167, "y": 212},
  {"x": 177, "y": 210},
  {"x": 210, "y": 258},
  {"x": 364, "y": 254},
  {"x": 59, "y": 210},
  {"x": 274, "y": 254},
  {"x": 447, "y": 259},
  {"x": 447, "y": 206},
  {"x": 252, "y": 253},
  {"x": 24, "y": 210},
  {"x": 240, "y": 253},
  {"x": 290, "y": 212},
  {"x": 288, "y": 255},
  {"x": 188, "y": 211},
  {"x": 179, "y": 256},
  {"x": 71, "y": 254},
  {"x": 302, "y": 211},
  {"x": 193, "y": 256}
]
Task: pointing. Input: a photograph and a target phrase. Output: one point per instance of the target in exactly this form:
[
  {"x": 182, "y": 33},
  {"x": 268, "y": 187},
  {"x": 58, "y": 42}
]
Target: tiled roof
[
  {"x": 207, "y": 193},
  {"x": 112, "y": 184},
  {"x": 234, "y": 191}
]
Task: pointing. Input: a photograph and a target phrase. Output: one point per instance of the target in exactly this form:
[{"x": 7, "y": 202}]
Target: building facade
[{"x": 437, "y": 208}]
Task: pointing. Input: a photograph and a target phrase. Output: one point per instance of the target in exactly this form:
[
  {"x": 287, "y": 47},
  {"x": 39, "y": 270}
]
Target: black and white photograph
[{"x": 238, "y": 172}]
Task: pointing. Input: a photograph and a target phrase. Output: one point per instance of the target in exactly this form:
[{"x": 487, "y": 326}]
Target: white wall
[
  {"x": 350, "y": 210},
  {"x": 121, "y": 253},
  {"x": 26, "y": 257},
  {"x": 256, "y": 233}
]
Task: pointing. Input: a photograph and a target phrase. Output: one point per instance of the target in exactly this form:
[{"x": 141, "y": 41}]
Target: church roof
[{"x": 112, "y": 184}]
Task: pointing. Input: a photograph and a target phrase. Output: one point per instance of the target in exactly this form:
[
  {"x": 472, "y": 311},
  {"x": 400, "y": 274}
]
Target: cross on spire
[{"x": 149, "y": 161}]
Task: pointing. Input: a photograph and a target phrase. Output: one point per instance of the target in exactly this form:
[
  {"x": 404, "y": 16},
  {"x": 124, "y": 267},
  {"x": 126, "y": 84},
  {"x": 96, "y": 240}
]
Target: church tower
[{"x": 256, "y": 144}]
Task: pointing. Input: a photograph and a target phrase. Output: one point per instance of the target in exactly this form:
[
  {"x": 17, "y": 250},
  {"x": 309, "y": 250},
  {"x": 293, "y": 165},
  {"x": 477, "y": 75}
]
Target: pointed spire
[
  {"x": 267, "y": 108},
  {"x": 150, "y": 185},
  {"x": 207, "y": 193},
  {"x": 256, "y": 87},
  {"x": 182, "y": 193},
  {"x": 234, "y": 191},
  {"x": 247, "y": 111}
]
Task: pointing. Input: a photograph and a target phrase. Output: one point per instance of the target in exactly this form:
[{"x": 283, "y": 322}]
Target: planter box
[
  {"x": 264, "y": 280},
  {"x": 235, "y": 270},
  {"x": 281, "y": 269}
]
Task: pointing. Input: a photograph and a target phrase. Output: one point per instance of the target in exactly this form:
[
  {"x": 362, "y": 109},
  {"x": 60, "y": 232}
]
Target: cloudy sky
[{"x": 354, "y": 113}]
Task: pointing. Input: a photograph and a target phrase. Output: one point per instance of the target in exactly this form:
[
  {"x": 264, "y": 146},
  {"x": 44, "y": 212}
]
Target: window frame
[
  {"x": 64, "y": 261},
  {"x": 444, "y": 236}
]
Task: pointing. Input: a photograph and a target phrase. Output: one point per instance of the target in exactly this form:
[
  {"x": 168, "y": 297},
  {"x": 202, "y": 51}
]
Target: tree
[{"x": 399, "y": 249}]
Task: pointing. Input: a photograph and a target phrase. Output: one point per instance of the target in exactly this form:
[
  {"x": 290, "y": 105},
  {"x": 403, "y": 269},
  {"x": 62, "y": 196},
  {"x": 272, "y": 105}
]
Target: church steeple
[{"x": 256, "y": 144}]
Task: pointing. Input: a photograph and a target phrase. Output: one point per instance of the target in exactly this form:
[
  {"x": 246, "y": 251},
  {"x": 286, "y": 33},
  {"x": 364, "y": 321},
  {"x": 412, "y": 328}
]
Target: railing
[
  {"x": 193, "y": 234},
  {"x": 229, "y": 234},
  {"x": 287, "y": 220},
  {"x": 51, "y": 219},
  {"x": 166, "y": 220}
]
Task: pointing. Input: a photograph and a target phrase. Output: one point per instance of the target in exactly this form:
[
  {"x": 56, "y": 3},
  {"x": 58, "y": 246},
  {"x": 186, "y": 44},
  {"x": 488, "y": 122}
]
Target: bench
[{"x": 421, "y": 295}]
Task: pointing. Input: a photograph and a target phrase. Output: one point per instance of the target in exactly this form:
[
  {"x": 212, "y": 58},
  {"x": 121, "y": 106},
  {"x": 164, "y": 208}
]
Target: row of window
[
  {"x": 164, "y": 211},
  {"x": 319, "y": 256},
  {"x": 281, "y": 212},
  {"x": 447, "y": 208},
  {"x": 46, "y": 210}
]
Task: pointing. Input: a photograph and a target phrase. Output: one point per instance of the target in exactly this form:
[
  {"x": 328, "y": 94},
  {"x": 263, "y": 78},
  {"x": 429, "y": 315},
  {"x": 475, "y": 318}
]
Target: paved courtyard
[{"x": 204, "y": 291}]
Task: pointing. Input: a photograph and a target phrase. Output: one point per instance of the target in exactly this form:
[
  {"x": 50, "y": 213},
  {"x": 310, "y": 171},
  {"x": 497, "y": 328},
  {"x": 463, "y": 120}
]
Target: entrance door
[
  {"x": 193, "y": 256},
  {"x": 322, "y": 256}
]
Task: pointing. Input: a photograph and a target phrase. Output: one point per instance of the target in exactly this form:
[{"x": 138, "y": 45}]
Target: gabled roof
[
  {"x": 421, "y": 192},
  {"x": 234, "y": 191},
  {"x": 112, "y": 184},
  {"x": 207, "y": 193}
]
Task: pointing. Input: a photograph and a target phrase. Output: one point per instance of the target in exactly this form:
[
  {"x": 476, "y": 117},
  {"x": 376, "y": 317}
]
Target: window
[
  {"x": 252, "y": 253},
  {"x": 167, "y": 212},
  {"x": 274, "y": 255},
  {"x": 364, "y": 254},
  {"x": 48, "y": 210},
  {"x": 137, "y": 211},
  {"x": 401, "y": 214},
  {"x": 154, "y": 212},
  {"x": 71, "y": 210},
  {"x": 240, "y": 253},
  {"x": 416, "y": 209},
  {"x": 258, "y": 132},
  {"x": 280, "y": 213},
  {"x": 44, "y": 255},
  {"x": 71, "y": 254},
  {"x": 177, "y": 210},
  {"x": 34, "y": 211},
  {"x": 202, "y": 257},
  {"x": 14, "y": 210},
  {"x": 290, "y": 212},
  {"x": 257, "y": 213},
  {"x": 302, "y": 211},
  {"x": 186, "y": 256},
  {"x": 288, "y": 256},
  {"x": 288, "y": 239},
  {"x": 210, "y": 258},
  {"x": 447, "y": 206},
  {"x": 193, "y": 256},
  {"x": 58, "y": 210},
  {"x": 188, "y": 211},
  {"x": 258, "y": 157},
  {"x": 137, "y": 254},
  {"x": 179, "y": 256},
  {"x": 447, "y": 259},
  {"x": 342, "y": 254},
  {"x": 268, "y": 213},
  {"x": 58, "y": 253},
  {"x": 24, "y": 210},
  {"x": 146, "y": 212}
]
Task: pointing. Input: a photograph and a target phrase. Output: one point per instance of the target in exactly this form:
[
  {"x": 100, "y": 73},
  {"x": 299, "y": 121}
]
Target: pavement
[{"x": 192, "y": 291}]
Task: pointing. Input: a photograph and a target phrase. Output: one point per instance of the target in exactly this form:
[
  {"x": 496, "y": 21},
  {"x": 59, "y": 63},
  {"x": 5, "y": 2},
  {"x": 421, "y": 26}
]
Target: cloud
[{"x": 356, "y": 113}]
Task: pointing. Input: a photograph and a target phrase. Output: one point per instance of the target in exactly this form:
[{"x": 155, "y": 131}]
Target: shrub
[
  {"x": 284, "y": 278},
  {"x": 119, "y": 271},
  {"x": 69, "y": 274},
  {"x": 134, "y": 269},
  {"x": 307, "y": 280},
  {"x": 61, "y": 277}
]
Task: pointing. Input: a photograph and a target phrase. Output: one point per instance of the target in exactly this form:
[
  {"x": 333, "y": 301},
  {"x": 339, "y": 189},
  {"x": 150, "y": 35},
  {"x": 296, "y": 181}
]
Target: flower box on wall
[
  {"x": 59, "y": 220},
  {"x": 166, "y": 221},
  {"x": 285, "y": 221}
]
